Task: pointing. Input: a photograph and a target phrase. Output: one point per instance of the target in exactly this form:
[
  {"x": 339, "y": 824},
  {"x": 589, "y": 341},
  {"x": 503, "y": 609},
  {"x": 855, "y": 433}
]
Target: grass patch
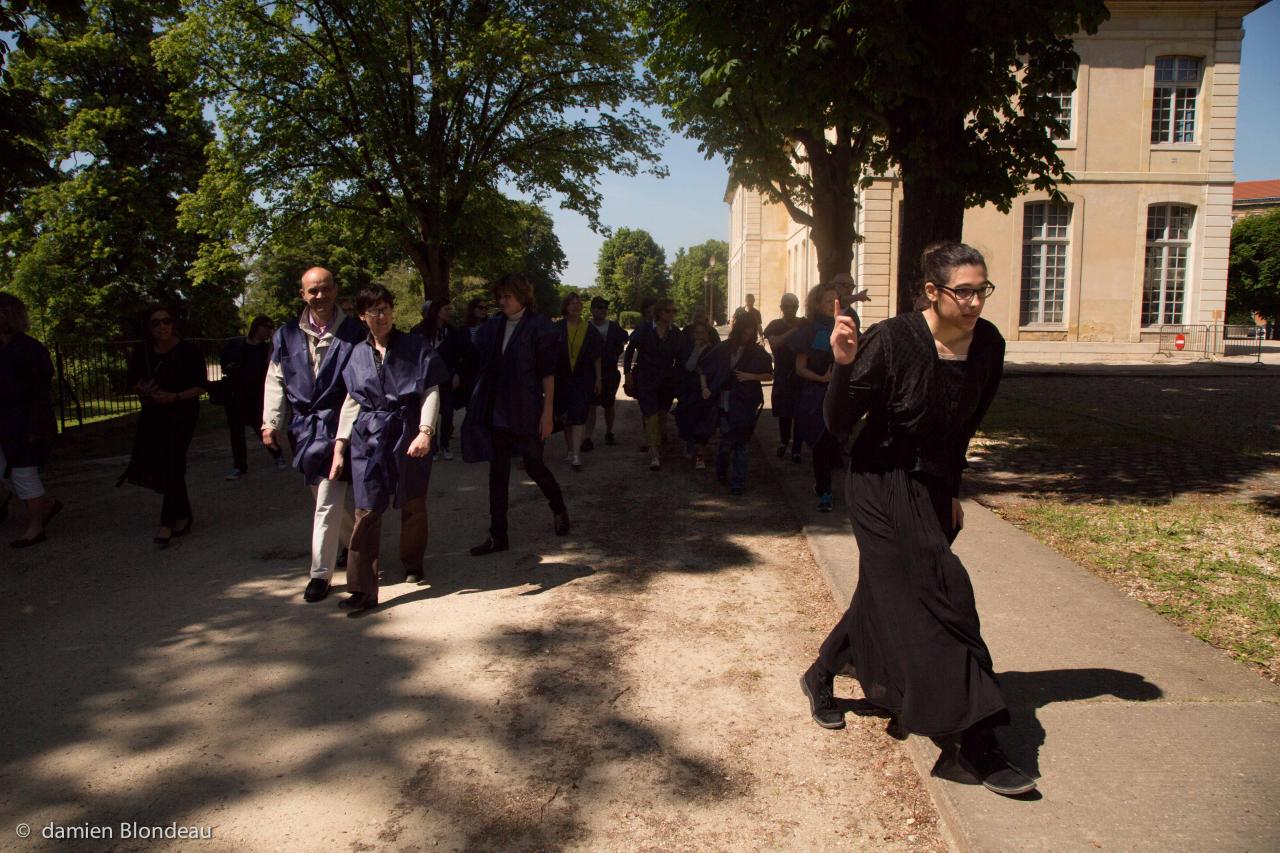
[{"x": 1208, "y": 564}]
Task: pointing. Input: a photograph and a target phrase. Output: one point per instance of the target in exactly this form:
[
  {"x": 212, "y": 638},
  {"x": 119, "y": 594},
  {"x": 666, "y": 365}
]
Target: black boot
[
  {"x": 817, "y": 685},
  {"x": 489, "y": 546},
  {"x": 980, "y": 754}
]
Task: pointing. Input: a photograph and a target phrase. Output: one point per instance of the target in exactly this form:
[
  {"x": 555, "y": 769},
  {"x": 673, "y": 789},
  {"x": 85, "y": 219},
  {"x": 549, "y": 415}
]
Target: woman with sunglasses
[
  {"x": 169, "y": 376},
  {"x": 924, "y": 380}
]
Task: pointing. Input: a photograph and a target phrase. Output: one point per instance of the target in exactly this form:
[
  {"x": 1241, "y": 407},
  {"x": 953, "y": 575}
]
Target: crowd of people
[{"x": 368, "y": 408}]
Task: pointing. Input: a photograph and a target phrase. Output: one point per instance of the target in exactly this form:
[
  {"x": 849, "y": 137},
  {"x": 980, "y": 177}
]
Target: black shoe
[
  {"x": 162, "y": 541},
  {"x": 413, "y": 576},
  {"x": 342, "y": 559},
  {"x": 795, "y": 456},
  {"x": 609, "y": 439},
  {"x": 184, "y": 531},
  {"x": 782, "y": 450},
  {"x": 358, "y": 601},
  {"x": 735, "y": 490},
  {"x": 489, "y": 546},
  {"x": 822, "y": 702},
  {"x": 317, "y": 590},
  {"x": 981, "y": 755},
  {"x": 53, "y": 510},
  {"x": 587, "y": 446},
  {"x": 28, "y": 541},
  {"x": 562, "y": 523}
]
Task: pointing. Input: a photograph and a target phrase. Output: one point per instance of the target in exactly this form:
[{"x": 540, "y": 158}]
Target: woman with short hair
[
  {"x": 736, "y": 368},
  {"x": 923, "y": 380},
  {"x": 697, "y": 411},
  {"x": 389, "y": 417},
  {"x": 511, "y": 412},
  {"x": 653, "y": 377},
  {"x": 169, "y": 376},
  {"x": 27, "y": 424}
]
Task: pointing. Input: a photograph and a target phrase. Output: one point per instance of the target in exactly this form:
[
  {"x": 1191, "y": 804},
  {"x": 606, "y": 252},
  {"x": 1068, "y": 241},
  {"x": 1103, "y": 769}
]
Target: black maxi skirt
[{"x": 911, "y": 634}]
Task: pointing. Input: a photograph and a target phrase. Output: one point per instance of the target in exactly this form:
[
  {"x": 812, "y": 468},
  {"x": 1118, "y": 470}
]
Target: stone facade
[{"x": 1144, "y": 238}]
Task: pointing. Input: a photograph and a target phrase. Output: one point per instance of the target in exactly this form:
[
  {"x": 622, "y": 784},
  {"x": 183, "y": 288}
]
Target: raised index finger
[{"x": 837, "y": 306}]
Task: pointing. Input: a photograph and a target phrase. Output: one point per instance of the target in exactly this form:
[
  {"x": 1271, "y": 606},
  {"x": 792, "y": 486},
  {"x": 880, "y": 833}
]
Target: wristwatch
[{"x": 427, "y": 429}]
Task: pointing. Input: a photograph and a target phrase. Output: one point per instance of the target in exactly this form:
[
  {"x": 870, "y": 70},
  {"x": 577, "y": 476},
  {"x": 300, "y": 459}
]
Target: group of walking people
[{"x": 361, "y": 402}]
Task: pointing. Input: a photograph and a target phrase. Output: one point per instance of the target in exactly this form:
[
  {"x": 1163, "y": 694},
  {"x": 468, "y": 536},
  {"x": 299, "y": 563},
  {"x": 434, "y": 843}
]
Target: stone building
[
  {"x": 1143, "y": 238},
  {"x": 1254, "y": 197}
]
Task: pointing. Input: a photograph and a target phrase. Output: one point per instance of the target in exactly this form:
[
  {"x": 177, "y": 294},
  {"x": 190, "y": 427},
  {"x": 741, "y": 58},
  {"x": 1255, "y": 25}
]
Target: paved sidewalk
[{"x": 1144, "y": 737}]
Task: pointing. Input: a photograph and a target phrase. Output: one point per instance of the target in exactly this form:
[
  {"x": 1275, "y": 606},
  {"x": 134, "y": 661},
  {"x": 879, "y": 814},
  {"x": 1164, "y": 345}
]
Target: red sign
[{"x": 1179, "y": 341}]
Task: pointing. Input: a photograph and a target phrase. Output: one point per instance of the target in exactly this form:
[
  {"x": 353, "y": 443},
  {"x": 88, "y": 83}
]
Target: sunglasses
[{"x": 161, "y": 321}]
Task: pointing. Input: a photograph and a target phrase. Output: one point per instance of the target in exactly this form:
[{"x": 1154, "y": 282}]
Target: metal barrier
[
  {"x": 91, "y": 379},
  {"x": 1212, "y": 340}
]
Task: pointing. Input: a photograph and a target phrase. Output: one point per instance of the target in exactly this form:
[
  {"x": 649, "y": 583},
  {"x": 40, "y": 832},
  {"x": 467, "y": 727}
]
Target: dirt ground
[{"x": 633, "y": 686}]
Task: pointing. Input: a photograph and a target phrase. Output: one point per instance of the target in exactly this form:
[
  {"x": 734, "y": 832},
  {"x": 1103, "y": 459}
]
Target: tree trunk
[
  {"x": 834, "y": 210},
  {"x": 931, "y": 211},
  {"x": 433, "y": 263}
]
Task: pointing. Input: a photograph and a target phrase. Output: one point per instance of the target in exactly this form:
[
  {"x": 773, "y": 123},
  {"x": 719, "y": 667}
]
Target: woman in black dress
[
  {"x": 169, "y": 376},
  {"x": 924, "y": 380}
]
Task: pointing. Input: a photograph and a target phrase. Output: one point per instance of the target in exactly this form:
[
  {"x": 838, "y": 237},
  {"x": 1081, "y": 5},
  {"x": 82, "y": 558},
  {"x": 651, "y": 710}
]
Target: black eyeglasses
[
  {"x": 967, "y": 294},
  {"x": 161, "y": 321}
]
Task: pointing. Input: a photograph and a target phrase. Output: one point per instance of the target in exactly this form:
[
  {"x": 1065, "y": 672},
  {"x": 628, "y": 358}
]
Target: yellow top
[{"x": 576, "y": 336}]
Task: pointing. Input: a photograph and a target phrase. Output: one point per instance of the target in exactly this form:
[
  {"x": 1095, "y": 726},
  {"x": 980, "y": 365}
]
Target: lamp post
[{"x": 706, "y": 290}]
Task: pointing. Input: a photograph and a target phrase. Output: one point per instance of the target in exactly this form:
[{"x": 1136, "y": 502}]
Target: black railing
[
  {"x": 91, "y": 379},
  {"x": 1212, "y": 340}
]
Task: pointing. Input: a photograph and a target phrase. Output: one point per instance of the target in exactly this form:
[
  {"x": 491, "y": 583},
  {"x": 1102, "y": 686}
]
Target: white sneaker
[
  {"x": 655, "y": 464},
  {"x": 235, "y": 474},
  {"x": 575, "y": 462}
]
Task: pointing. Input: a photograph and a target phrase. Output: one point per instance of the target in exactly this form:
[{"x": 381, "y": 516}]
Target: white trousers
[
  {"x": 331, "y": 527},
  {"x": 23, "y": 482}
]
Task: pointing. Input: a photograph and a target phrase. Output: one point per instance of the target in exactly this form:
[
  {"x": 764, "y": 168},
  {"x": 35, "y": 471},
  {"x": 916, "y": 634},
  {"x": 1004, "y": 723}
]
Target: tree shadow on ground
[{"x": 179, "y": 685}]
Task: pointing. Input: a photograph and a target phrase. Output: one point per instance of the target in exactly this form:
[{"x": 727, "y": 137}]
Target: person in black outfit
[
  {"x": 786, "y": 385},
  {"x": 169, "y": 376},
  {"x": 454, "y": 348},
  {"x": 244, "y": 363},
  {"x": 924, "y": 380},
  {"x": 511, "y": 408},
  {"x": 27, "y": 424}
]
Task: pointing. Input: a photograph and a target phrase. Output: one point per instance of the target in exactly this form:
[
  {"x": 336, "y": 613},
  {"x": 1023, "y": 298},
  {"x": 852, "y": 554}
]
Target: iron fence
[
  {"x": 91, "y": 379},
  {"x": 1212, "y": 340}
]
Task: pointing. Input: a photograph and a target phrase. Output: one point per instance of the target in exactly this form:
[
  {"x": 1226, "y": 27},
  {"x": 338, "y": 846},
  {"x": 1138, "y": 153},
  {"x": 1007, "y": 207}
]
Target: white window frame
[
  {"x": 1166, "y": 264},
  {"x": 1176, "y": 98},
  {"x": 1067, "y": 107},
  {"x": 1046, "y": 262}
]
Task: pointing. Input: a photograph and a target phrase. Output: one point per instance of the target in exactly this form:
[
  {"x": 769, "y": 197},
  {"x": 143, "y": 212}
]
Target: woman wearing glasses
[
  {"x": 924, "y": 380},
  {"x": 169, "y": 376}
]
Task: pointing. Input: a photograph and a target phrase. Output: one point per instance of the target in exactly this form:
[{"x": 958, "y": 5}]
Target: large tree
[
  {"x": 1253, "y": 279},
  {"x": 694, "y": 278},
  {"x": 956, "y": 94},
  {"x": 409, "y": 113},
  {"x": 630, "y": 267},
  {"x": 771, "y": 90},
  {"x": 966, "y": 91},
  {"x": 92, "y": 237}
]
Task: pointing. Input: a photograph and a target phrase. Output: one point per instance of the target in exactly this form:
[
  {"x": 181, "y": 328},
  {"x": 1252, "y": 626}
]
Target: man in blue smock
[{"x": 304, "y": 394}]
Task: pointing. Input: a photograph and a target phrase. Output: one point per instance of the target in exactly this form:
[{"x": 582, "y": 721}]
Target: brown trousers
[{"x": 366, "y": 545}]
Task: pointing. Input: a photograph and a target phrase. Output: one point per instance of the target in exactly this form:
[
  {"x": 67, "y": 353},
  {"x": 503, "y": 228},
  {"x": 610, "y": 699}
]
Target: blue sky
[{"x": 688, "y": 207}]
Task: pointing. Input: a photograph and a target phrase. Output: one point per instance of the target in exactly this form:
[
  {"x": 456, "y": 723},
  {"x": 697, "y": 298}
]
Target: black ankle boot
[
  {"x": 817, "y": 686},
  {"x": 980, "y": 753}
]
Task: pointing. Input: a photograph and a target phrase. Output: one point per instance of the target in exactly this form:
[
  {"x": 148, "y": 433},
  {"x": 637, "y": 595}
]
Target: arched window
[
  {"x": 1164, "y": 280},
  {"x": 1046, "y": 241},
  {"x": 1173, "y": 103}
]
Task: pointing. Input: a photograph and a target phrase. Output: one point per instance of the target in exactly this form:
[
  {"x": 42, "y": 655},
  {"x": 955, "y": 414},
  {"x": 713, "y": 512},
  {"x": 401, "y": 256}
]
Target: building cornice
[{"x": 1184, "y": 7}]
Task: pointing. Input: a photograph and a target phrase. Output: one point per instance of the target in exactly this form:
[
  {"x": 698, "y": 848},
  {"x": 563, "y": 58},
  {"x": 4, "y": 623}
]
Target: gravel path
[{"x": 630, "y": 687}]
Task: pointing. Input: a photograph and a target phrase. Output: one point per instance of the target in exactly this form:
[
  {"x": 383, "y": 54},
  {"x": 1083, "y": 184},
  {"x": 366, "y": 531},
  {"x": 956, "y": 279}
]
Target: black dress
[
  {"x": 159, "y": 458},
  {"x": 912, "y": 635},
  {"x": 27, "y": 423}
]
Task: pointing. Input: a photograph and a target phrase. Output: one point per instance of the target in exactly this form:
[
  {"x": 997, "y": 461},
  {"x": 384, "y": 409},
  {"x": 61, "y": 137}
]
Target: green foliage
[
  {"x": 90, "y": 243},
  {"x": 1253, "y": 279},
  {"x": 630, "y": 319},
  {"x": 692, "y": 276},
  {"x": 408, "y": 114},
  {"x": 630, "y": 267},
  {"x": 516, "y": 236}
]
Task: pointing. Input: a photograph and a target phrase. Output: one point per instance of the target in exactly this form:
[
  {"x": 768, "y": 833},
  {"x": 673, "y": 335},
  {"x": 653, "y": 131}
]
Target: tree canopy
[
  {"x": 630, "y": 267},
  {"x": 92, "y": 237},
  {"x": 1253, "y": 279},
  {"x": 409, "y": 114},
  {"x": 693, "y": 278}
]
